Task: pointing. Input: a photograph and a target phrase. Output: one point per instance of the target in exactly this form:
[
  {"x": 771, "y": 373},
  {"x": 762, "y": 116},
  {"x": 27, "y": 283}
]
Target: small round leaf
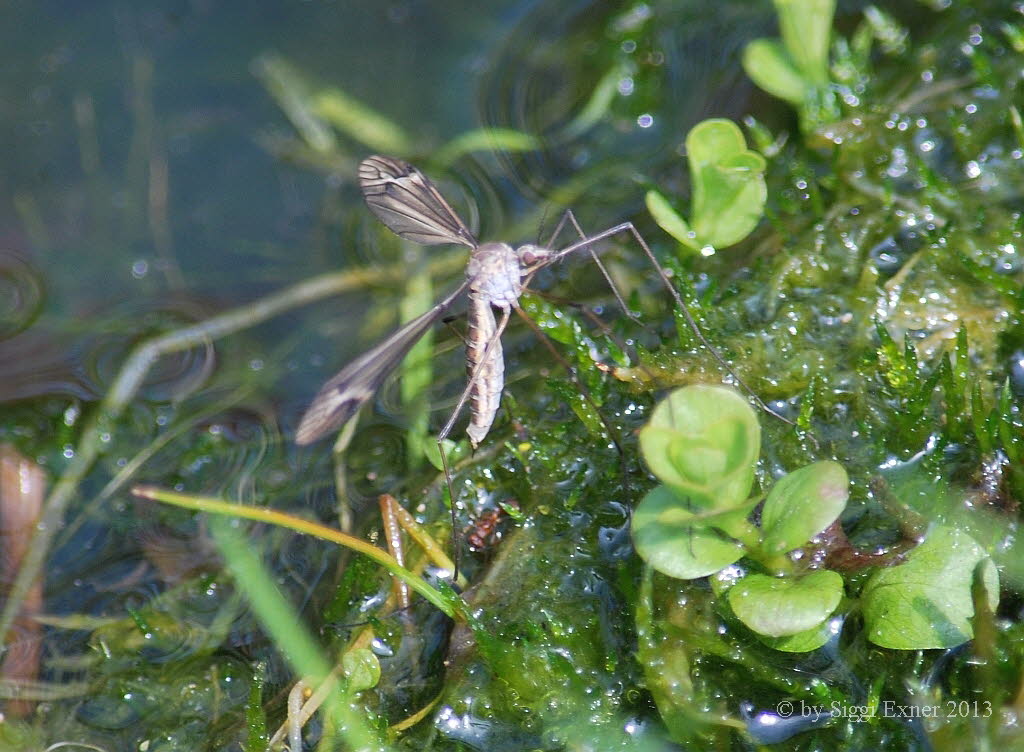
[
  {"x": 926, "y": 602},
  {"x": 676, "y": 541},
  {"x": 785, "y": 606},
  {"x": 729, "y": 190},
  {"x": 703, "y": 441},
  {"x": 802, "y": 504},
  {"x": 361, "y": 668}
]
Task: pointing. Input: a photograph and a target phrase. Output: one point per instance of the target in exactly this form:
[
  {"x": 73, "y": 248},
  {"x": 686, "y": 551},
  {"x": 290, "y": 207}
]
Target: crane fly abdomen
[
  {"x": 485, "y": 366},
  {"x": 495, "y": 279}
]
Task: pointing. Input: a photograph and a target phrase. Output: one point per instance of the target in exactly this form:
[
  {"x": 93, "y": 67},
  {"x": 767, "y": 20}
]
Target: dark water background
[{"x": 101, "y": 100}]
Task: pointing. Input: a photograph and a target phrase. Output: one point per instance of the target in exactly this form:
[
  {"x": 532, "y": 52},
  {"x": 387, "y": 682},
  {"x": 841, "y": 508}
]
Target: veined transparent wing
[
  {"x": 405, "y": 200},
  {"x": 340, "y": 398}
]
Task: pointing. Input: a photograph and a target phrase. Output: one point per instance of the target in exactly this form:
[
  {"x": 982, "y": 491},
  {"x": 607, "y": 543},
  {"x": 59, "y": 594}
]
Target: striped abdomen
[{"x": 486, "y": 371}]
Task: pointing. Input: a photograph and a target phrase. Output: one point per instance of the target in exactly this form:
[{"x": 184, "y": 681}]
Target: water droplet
[{"x": 71, "y": 415}]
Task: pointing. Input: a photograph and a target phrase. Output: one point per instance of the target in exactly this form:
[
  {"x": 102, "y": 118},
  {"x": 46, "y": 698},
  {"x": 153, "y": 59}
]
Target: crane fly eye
[{"x": 528, "y": 255}]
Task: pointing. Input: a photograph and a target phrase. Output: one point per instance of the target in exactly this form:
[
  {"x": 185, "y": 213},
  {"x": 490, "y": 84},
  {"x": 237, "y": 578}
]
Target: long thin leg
[
  {"x": 584, "y": 391},
  {"x": 575, "y": 379},
  {"x": 569, "y": 216},
  {"x": 628, "y": 226},
  {"x": 604, "y": 272},
  {"x": 447, "y": 321},
  {"x": 588, "y": 313},
  {"x": 558, "y": 228},
  {"x": 444, "y": 432}
]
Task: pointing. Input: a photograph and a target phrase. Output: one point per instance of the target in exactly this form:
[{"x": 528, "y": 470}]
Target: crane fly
[{"x": 409, "y": 205}]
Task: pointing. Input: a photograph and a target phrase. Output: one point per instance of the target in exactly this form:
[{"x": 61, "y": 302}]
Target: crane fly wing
[
  {"x": 405, "y": 200},
  {"x": 340, "y": 398}
]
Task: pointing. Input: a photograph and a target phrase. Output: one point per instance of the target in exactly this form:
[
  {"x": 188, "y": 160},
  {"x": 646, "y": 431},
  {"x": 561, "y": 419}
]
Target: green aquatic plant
[
  {"x": 729, "y": 191},
  {"x": 795, "y": 68},
  {"x": 703, "y": 443},
  {"x": 927, "y": 601}
]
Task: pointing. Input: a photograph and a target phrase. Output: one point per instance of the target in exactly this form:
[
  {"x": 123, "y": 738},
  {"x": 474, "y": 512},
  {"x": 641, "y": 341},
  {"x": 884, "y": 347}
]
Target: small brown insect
[{"x": 484, "y": 533}]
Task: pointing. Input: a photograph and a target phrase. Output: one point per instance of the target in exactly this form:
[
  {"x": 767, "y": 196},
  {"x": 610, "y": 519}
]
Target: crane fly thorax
[{"x": 495, "y": 275}]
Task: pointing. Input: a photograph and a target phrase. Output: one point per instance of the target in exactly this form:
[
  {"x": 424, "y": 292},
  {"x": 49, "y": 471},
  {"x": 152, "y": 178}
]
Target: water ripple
[{"x": 21, "y": 294}]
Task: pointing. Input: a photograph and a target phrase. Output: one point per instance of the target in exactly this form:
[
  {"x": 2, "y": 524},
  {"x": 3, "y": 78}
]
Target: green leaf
[
  {"x": 802, "y": 504},
  {"x": 678, "y": 542},
  {"x": 729, "y": 191},
  {"x": 703, "y": 441},
  {"x": 715, "y": 141},
  {"x": 669, "y": 220},
  {"x": 771, "y": 68},
  {"x": 926, "y": 602},
  {"x": 255, "y": 714},
  {"x": 797, "y": 68},
  {"x": 601, "y": 98},
  {"x": 288, "y": 87},
  {"x": 785, "y": 606},
  {"x": 806, "y": 28},
  {"x": 484, "y": 139},
  {"x": 365, "y": 125},
  {"x": 361, "y": 668},
  {"x": 581, "y": 406},
  {"x": 433, "y": 452},
  {"x": 801, "y": 642}
]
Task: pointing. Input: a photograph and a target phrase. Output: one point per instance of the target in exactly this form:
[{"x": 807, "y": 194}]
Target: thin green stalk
[
  {"x": 417, "y": 368},
  {"x": 297, "y": 645},
  {"x": 299, "y": 525}
]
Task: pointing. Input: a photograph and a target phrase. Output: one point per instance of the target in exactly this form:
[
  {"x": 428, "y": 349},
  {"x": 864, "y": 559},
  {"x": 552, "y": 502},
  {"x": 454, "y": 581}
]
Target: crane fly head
[{"x": 532, "y": 256}]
